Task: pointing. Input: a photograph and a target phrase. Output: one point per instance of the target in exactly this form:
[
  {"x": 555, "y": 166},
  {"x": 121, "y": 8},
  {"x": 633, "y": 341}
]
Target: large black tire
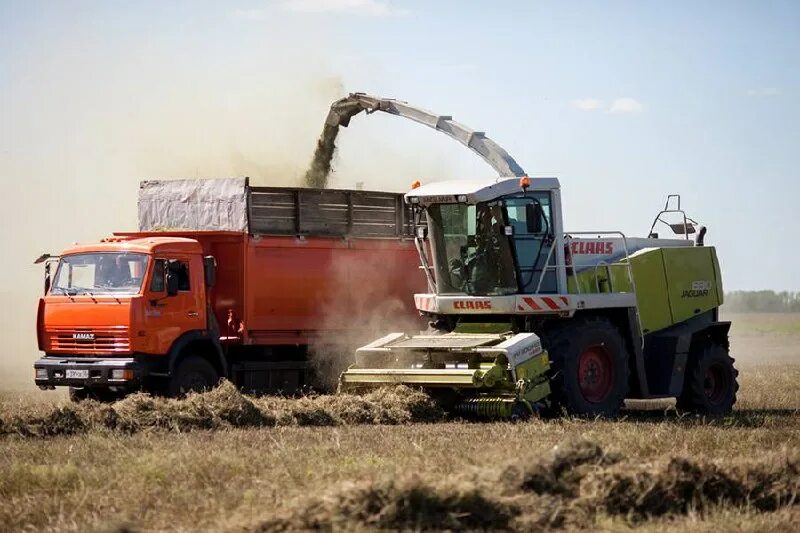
[
  {"x": 192, "y": 374},
  {"x": 589, "y": 363},
  {"x": 710, "y": 383}
]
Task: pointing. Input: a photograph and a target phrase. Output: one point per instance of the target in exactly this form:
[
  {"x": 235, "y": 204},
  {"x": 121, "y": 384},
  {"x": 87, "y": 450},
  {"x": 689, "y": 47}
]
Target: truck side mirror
[
  {"x": 173, "y": 282},
  {"x": 533, "y": 217},
  {"x": 47, "y": 280},
  {"x": 210, "y": 270}
]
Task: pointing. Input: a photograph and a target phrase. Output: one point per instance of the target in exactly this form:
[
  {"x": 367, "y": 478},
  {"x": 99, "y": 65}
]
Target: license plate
[{"x": 77, "y": 374}]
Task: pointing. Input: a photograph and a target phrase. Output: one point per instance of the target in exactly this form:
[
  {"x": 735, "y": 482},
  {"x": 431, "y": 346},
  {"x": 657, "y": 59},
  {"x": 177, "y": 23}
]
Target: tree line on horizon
[{"x": 762, "y": 302}]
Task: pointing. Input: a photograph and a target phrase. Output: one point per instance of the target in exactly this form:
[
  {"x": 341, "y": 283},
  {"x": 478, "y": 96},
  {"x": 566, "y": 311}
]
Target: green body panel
[
  {"x": 672, "y": 284},
  {"x": 692, "y": 281}
]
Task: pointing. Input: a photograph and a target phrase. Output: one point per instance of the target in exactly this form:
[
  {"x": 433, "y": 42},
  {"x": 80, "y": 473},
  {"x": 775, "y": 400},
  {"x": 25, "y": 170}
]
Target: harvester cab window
[
  {"x": 472, "y": 253},
  {"x": 532, "y": 240}
]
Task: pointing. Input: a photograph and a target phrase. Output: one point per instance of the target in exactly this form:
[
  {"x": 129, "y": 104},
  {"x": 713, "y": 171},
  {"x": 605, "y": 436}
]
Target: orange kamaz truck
[{"x": 224, "y": 280}]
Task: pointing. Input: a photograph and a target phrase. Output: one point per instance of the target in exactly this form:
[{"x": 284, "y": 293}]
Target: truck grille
[{"x": 80, "y": 341}]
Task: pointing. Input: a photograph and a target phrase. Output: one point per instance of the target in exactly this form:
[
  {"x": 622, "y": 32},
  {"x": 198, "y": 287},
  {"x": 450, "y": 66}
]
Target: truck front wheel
[
  {"x": 192, "y": 374},
  {"x": 710, "y": 385}
]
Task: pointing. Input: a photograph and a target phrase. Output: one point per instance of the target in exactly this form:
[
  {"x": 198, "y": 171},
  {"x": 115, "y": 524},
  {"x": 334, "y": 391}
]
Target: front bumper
[{"x": 93, "y": 372}]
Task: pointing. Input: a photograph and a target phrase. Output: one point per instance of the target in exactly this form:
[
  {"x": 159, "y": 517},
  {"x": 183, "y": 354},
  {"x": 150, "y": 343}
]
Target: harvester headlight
[
  {"x": 414, "y": 199},
  {"x": 41, "y": 373},
  {"x": 508, "y": 230},
  {"x": 122, "y": 374},
  {"x": 462, "y": 198}
]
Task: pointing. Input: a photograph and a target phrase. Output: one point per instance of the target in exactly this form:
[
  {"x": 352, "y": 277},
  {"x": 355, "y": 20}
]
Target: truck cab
[{"x": 113, "y": 310}]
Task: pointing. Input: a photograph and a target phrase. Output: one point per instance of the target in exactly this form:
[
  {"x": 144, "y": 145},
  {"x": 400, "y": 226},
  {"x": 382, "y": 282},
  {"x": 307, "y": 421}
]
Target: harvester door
[{"x": 533, "y": 241}]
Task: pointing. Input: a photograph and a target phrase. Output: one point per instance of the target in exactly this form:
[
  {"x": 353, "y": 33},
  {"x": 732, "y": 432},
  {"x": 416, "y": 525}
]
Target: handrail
[
  {"x": 626, "y": 263},
  {"x": 686, "y": 219}
]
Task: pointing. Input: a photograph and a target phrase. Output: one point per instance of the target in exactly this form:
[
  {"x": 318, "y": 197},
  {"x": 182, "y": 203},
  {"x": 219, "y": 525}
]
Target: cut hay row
[
  {"x": 572, "y": 488},
  {"x": 223, "y": 407}
]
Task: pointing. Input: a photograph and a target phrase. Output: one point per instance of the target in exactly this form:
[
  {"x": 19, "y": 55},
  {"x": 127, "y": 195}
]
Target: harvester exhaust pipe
[{"x": 701, "y": 235}]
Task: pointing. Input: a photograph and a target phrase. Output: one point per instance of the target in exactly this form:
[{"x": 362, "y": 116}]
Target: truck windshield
[
  {"x": 100, "y": 273},
  {"x": 471, "y": 252}
]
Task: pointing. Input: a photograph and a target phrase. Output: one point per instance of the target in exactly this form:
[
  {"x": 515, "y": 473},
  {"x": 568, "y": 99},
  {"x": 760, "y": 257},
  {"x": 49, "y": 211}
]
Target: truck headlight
[
  {"x": 41, "y": 373},
  {"x": 121, "y": 374}
]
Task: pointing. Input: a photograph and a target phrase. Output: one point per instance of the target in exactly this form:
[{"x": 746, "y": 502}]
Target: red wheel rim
[
  {"x": 595, "y": 374},
  {"x": 715, "y": 383}
]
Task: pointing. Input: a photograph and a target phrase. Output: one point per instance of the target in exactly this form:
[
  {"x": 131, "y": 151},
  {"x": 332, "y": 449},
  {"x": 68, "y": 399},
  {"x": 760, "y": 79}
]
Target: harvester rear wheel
[
  {"x": 710, "y": 385},
  {"x": 590, "y": 366}
]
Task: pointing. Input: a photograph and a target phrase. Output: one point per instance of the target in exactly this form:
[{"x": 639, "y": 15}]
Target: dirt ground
[{"x": 652, "y": 469}]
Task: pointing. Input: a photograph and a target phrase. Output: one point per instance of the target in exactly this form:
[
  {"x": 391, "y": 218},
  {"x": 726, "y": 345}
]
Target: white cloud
[
  {"x": 763, "y": 91},
  {"x": 587, "y": 104},
  {"x": 372, "y": 8},
  {"x": 626, "y": 105}
]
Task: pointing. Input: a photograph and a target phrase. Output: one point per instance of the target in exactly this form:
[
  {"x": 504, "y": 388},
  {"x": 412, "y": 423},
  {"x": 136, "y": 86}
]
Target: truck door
[{"x": 168, "y": 317}]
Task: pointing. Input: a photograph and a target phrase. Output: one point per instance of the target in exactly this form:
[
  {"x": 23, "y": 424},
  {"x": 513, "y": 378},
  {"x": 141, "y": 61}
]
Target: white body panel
[
  {"x": 520, "y": 304},
  {"x": 517, "y": 349},
  {"x": 587, "y": 252},
  {"x": 475, "y": 190}
]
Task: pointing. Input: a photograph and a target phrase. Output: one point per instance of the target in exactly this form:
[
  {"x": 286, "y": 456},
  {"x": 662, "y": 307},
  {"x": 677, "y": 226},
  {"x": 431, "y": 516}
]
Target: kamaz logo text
[
  {"x": 472, "y": 304},
  {"x": 83, "y": 336}
]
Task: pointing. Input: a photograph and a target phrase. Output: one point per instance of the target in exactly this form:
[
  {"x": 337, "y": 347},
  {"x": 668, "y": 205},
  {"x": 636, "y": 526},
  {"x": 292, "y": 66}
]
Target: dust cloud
[
  {"x": 71, "y": 159},
  {"x": 370, "y": 295}
]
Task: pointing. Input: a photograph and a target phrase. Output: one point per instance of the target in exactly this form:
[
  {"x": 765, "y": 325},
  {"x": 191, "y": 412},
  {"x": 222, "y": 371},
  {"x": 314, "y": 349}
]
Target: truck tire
[
  {"x": 192, "y": 374},
  {"x": 589, "y": 363},
  {"x": 710, "y": 384}
]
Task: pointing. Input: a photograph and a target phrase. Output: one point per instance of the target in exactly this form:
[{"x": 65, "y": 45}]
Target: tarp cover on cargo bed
[{"x": 193, "y": 204}]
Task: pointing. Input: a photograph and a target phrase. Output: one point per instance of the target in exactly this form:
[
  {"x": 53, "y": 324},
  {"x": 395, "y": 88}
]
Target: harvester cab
[{"x": 523, "y": 314}]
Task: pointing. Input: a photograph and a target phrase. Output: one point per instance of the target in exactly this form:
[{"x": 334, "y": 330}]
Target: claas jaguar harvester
[{"x": 524, "y": 315}]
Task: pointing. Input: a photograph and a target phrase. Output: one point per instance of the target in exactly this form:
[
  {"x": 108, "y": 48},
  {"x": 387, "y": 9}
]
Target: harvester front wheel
[
  {"x": 710, "y": 385},
  {"x": 590, "y": 366}
]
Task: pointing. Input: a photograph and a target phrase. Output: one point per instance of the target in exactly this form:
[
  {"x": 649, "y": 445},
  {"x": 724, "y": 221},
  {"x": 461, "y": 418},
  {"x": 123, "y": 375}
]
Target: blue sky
[{"x": 625, "y": 102}]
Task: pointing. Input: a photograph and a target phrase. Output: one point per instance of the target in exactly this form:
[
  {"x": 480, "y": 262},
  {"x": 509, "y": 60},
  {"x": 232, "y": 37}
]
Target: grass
[{"x": 352, "y": 475}]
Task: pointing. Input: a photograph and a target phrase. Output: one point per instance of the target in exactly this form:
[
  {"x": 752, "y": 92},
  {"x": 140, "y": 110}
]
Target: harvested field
[{"x": 224, "y": 462}]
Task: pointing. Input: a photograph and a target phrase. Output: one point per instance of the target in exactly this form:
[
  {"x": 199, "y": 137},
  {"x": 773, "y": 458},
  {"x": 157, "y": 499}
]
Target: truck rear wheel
[
  {"x": 710, "y": 385},
  {"x": 590, "y": 366},
  {"x": 193, "y": 374}
]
